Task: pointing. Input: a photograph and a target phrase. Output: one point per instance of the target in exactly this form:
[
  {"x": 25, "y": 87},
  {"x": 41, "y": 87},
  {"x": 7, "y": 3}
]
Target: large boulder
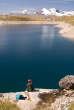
[{"x": 67, "y": 82}]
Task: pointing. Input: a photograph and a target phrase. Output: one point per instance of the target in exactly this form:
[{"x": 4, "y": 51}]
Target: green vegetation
[
  {"x": 67, "y": 19},
  {"x": 72, "y": 106},
  {"x": 19, "y": 18},
  {"x": 6, "y": 105}
]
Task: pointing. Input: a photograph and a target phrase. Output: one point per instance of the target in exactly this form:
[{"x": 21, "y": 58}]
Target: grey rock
[
  {"x": 1, "y": 95},
  {"x": 67, "y": 82}
]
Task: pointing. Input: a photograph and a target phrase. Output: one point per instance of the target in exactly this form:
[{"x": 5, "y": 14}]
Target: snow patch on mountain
[
  {"x": 47, "y": 12},
  {"x": 44, "y": 11},
  {"x": 25, "y": 12},
  {"x": 53, "y": 11}
]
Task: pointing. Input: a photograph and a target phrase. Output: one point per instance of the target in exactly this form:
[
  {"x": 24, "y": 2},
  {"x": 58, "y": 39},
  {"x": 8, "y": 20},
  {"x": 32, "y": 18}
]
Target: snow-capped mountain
[
  {"x": 29, "y": 11},
  {"x": 53, "y": 11},
  {"x": 25, "y": 12},
  {"x": 46, "y": 12},
  {"x": 68, "y": 13}
]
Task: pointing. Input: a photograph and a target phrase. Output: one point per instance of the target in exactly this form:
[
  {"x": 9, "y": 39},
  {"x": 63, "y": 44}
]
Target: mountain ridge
[{"x": 49, "y": 12}]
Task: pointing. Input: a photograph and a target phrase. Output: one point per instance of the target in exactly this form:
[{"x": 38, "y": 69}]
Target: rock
[
  {"x": 62, "y": 103},
  {"x": 1, "y": 95},
  {"x": 67, "y": 82}
]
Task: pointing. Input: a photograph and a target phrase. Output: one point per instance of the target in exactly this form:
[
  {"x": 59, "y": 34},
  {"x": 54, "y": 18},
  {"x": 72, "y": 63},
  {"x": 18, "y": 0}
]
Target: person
[{"x": 30, "y": 87}]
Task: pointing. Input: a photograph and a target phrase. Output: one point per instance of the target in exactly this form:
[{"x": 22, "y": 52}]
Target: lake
[{"x": 36, "y": 52}]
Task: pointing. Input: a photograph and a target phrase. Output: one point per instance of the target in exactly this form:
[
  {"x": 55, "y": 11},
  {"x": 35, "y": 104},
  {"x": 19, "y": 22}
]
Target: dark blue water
[{"x": 36, "y": 52}]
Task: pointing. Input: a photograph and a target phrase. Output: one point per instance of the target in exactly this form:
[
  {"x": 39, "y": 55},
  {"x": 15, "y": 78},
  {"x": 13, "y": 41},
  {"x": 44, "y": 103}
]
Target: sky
[{"x": 17, "y": 5}]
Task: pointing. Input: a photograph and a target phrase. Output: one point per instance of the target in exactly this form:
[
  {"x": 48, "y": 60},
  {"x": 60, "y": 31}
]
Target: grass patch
[
  {"x": 71, "y": 106},
  {"x": 43, "y": 108},
  {"x": 67, "y": 19},
  {"x": 47, "y": 99},
  {"x": 6, "y": 105},
  {"x": 18, "y": 18}
]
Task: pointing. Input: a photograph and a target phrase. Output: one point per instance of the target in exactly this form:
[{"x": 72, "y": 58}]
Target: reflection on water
[
  {"x": 3, "y": 39},
  {"x": 33, "y": 51},
  {"x": 46, "y": 32},
  {"x": 48, "y": 35}
]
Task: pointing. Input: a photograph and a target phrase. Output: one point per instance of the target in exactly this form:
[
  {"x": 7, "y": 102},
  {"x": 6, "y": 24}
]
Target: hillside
[
  {"x": 19, "y": 18},
  {"x": 66, "y": 19}
]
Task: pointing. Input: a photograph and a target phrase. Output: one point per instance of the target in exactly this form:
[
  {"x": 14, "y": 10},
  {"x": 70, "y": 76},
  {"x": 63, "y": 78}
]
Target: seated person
[{"x": 30, "y": 87}]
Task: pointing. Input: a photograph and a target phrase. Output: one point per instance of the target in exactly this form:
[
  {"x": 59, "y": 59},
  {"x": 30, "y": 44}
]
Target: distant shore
[
  {"x": 23, "y": 22},
  {"x": 66, "y": 30}
]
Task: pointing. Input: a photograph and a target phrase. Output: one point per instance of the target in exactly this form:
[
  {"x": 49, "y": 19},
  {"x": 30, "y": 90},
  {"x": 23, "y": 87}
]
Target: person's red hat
[{"x": 29, "y": 80}]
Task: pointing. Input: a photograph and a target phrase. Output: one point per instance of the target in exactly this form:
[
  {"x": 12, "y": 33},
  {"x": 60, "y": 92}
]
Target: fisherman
[{"x": 30, "y": 87}]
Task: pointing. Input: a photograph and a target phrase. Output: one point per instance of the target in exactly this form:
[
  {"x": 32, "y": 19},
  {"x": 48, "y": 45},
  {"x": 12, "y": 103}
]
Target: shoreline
[
  {"x": 32, "y": 99},
  {"x": 23, "y": 22},
  {"x": 28, "y": 103},
  {"x": 66, "y": 30}
]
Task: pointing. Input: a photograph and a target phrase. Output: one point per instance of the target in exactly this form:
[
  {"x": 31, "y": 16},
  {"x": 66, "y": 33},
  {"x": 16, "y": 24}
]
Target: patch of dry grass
[
  {"x": 71, "y": 106},
  {"x": 67, "y": 19},
  {"x": 18, "y": 18},
  {"x": 43, "y": 108},
  {"x": 6, "y": 105},
  {"x": 47, "y": 99}
]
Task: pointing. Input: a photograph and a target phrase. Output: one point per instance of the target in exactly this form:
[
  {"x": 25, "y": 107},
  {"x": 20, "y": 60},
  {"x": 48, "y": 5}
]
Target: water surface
[{"x": 38, "y": 52}]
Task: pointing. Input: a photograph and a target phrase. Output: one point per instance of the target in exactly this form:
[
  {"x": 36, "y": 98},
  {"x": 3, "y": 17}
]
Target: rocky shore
[
  {"x": 62, "y": 101},
  {"x": 30, "y": 101},
  {"x": 52, "y": 99}
]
